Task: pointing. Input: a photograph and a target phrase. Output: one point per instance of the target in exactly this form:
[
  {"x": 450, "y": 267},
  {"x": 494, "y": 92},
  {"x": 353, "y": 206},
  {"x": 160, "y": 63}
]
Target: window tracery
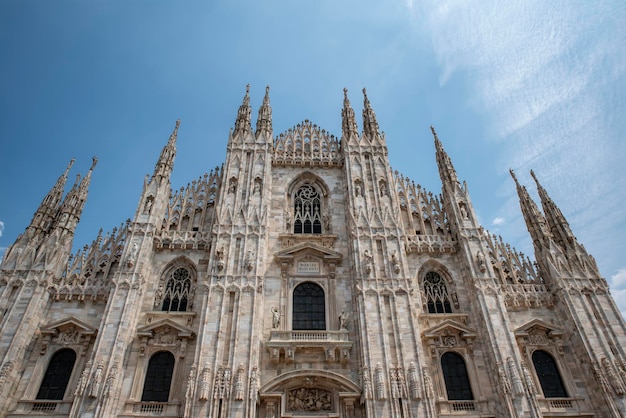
[
  {"x": 436, "y": 293},
  {"x": 307, "y": 211},
  {"x": 177, "y": 295}
]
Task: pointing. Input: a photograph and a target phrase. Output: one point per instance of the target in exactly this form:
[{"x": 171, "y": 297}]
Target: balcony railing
[
  {"x": 309, "y": 336},
  {"x": 335, "y": 345}
]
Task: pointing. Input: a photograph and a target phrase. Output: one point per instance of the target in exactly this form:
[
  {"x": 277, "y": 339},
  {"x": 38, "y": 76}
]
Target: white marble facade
[{"x": 305, "y": 278}]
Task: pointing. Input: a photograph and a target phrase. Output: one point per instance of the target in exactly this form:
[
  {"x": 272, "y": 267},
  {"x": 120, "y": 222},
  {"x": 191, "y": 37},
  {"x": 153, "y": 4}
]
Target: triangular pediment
[
  {"x": 449, "y": 326},
  {"x": 538, "y": 325},
  {"x": 165, "y": 325},
  {"x": 68, "y": 323},
  {"x": 308, "y": 248}
]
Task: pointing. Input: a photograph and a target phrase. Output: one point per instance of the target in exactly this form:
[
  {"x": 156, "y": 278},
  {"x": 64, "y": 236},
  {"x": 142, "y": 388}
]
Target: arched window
[
  {"x": 57, "y": 375},
  {"x": 456, "y": 378},
  {"x": 156, "y": 387},
  {"x": 307, "y": 211},
  {"x": 549, "y": 376},
  {"x": 436, "y": 293},
  {"x": 309, "y": 311},
  {"x": 177, "y": 289}
]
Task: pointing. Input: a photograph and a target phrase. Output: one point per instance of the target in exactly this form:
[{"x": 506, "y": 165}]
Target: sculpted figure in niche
[
  {"x": 357, "y": 190},
  {"x": 481, "y": 261},
  {"x": 367, "y": 261},
  {"x": 343, "y": 320},
  {"x": 257, "y": 187},
  {"x": 275, "y": 318},
  {"x": 148, "y": 206},
  {"x": 288, "y": 219}
]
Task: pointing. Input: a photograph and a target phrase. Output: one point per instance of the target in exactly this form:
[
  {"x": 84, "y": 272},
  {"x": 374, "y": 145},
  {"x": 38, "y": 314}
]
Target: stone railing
[
  {"x": 335, "y": 344},
  {"x": 41, "y": 407},
  {"x": 182, "y": 240},
  {"x": 527, "y": 295},
  {"x": 462, "y": 407},
  {"x": 148, "y": 409},
  {"x": 430, "y": 244},
  {"x": 322, "y": 240},
  {"x": 566, "y": 405}
]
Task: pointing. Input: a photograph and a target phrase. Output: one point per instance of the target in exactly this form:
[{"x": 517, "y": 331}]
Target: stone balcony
[{"x": 284, "y": 344}]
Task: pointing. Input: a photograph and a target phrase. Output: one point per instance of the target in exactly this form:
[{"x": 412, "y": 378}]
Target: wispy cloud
[
  {"x": 544, "y": 76},
  {"x": 1, "y": 228},
  {"x": 497, "y": 221}
]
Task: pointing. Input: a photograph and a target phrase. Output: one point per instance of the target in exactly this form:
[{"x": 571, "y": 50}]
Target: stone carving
[
  {"x": 413, "y": 381},
  {"x": 83, "y": 380},
  {"x": 110, "y": 380},
  {"x": 219, "y": 256},
  {"x": 257, "y": 187},
  {"x": 398, "y": 388},
  {"x": 221, "y": 389},
  {"x": 395, "y": 265},
  {"x": 5, "y": 370},
  {"x": 618, "y": 387},
  {"x": 132, "y": 256},
  {"x": 343, "y": 320},
  {"x": 380, "y": 381},
  {"x": 232, "y": 185},
  {"x": 239, "y": 386},
  {"x": 275, "y": 318},
  {"x": 504, "y": 379},
  {"x": 518, "y": 388},
  {"x": 367, "y": 262},
  {"x": 528, "y": 379},
  {"x": 600, "y": 377},
  {"x": 480, "y": 257},
  {"x": 309, "y": 400},
  {"x": 250, "y": 260},
  {"x": 367, "y": 383},
  {"x": 167, "y": 336},
  {"x": 147, "y": 207},
  {"x": 254, "y": 383},
  {"x": 537, "y": 339},
  {"x": 96, "y": 381},
  {"x": 191, "y": 383},
  {"x": 448, "y": 340},
  {"x": 158, "y": 296},
  {"x": 205, "y": 382},
  {"x": 463, "y": 210},
  {"x": 428, "y": 384},
  {"x": 69, "y": 335},
  {"x": 288, "y": 219},
  {"x": 357, "y": 190}
]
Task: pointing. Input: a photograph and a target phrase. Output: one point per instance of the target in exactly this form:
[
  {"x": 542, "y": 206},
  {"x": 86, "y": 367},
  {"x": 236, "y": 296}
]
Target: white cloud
[
  {"x": 497, "y": 221},
  {"x": 1, "y": 228},
  {"x": 618, "y": 281}
]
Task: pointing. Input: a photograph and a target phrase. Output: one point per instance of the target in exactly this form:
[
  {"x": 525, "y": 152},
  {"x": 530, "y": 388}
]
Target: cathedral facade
[{"x": 305, "y": 278}]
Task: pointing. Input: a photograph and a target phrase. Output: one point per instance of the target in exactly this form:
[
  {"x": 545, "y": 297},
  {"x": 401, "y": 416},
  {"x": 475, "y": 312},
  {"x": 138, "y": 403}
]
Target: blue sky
[{"x": 517, "y": 84}]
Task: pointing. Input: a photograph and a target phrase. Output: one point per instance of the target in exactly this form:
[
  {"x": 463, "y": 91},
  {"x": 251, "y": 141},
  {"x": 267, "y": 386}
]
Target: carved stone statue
[
  {"x": 480, "y": 257},
  {"x": 357, "y": 190},
  {"x": 367, "y": 261},
  {"x": 96, "y": 381},
  {"x": 147, "y": 206},
  {"x": 343, "y": 320},
  {"x": 275, "y": 318}
]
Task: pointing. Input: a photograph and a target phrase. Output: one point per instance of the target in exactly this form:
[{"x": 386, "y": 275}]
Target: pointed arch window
[
  {"x": 548, "y": 374},
  {"x": 307, "y": 211},
  {"x": 57, "y": 375},
  {"x": 436, "y": 292},
  {"x": 158, "y": 380},
  {"x": 177, "y": 291},
  {"x": 455, "y": 375},
  {"x": 309, "y": 308}
]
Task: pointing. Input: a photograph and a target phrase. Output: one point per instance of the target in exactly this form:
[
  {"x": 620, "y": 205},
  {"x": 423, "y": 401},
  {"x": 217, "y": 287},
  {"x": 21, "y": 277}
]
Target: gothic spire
[
  {"x": 446, "y": 169},
  {"x": 535, "y": 221},
  {"x": 242, "y": 124},
  {"x": 556, "y": 221},
  {"x": 165, "y": 164},
  {"x": 264, "y": 121},
  {"x": 74, "y": 202},
  {"x": 370, "y": 125},
  {"x": 348, "y": 121},
  {"x": 44, "y": 215}
]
